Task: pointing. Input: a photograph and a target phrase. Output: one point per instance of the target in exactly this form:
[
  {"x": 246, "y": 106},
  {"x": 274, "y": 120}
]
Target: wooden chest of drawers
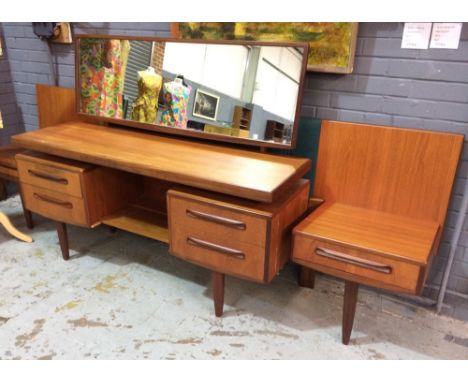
[
  {"x": 56, "y": 188},
  {"x": 234, "y": 236},
  {"x": 70, "y": 191}
]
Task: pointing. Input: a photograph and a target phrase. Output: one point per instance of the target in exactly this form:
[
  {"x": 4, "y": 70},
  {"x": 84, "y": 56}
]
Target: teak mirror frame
[{"x": 187, "y": 132}]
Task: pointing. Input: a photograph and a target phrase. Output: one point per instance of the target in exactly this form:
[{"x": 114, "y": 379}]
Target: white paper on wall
[
  {"x": 416, "y": 36},
  {"x": 446, "y": 35}
]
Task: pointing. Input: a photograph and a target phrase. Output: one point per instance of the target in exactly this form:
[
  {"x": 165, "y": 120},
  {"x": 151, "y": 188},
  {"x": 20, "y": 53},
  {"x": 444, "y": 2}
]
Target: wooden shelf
[
  {"x": 141, "y": 221},
  {"x": 241, "y": 118}
]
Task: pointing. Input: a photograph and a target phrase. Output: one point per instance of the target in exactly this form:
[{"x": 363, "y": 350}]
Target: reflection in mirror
[{"x": 247, "y": 91}]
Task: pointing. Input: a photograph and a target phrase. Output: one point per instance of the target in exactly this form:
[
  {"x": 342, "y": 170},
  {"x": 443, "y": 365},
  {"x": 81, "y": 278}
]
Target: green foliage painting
[{"x": 331, "y": 45}]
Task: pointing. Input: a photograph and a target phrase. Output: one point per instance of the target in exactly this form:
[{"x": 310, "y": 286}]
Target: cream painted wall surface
[{"x": 424, "y": 89}]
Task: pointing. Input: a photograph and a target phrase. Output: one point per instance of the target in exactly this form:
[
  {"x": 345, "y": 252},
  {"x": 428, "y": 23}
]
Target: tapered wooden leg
[
  {"x": 27, "y": 214},
  {"x": 28, "y": 217},
  {"x": 306, "y": 277},
  {"x": 349, "y": 309},
  {"x": 218, "y": 293},
  {"x": 63, "y": 239},
  {"x": 3, "y": 191}
]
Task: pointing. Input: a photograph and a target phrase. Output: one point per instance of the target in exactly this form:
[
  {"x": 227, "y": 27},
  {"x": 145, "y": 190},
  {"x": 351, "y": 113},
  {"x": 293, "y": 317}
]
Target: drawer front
[
  {"x": 50, "y": 177},
  {"x": 218, "y": 221},
  {"x": 366, "y": 267},
  {"x": 54, "y": 205},
  {"x": 222, "y": 254}
]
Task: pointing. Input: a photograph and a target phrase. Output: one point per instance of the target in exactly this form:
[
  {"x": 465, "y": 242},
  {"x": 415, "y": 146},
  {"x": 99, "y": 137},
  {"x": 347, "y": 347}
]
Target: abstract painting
[{"x": 331, "y": 45}]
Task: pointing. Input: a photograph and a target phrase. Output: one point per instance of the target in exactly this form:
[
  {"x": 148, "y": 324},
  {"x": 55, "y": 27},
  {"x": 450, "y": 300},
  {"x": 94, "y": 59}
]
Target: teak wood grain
[
  {"x": 55, "y": 105},
  {"x": 362, "y": 266},
  {"x": 55, "y": 205},
  {"x": 387, "y": 191},
  {"x": 8, "y": 168},
  {"x": 385, "y": 234},
  {"x": 47, "y": 174},
  {"x": 74, "y": 192},
  {"x": 233, "y": 236},
  {"x": 405, "y": 172},
  {"x": 250, "y": 175}
]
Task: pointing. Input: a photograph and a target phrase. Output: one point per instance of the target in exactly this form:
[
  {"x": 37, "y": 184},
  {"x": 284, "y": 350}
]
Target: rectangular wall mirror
[{"x": 244, "y": 92}]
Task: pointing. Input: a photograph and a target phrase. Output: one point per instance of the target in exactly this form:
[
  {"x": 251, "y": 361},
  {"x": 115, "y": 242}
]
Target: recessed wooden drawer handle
[
  {"x": 52, "y": 178},
  {"x": 378, "y": 267},
  {"x": 216, "y": 219},
  {"x": 48, "y": 199},
  {"x": 215, "y": 247}
]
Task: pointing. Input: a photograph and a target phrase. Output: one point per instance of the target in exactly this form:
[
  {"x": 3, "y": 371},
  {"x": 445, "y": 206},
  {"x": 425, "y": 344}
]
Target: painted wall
[
  {"x": 8, "y": 106},
  {"x": 424, "y": 89}
]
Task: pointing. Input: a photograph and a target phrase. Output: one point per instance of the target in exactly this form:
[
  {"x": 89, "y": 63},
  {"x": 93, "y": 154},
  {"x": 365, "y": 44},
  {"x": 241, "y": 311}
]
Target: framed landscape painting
[{"x": 331, "y": 45}]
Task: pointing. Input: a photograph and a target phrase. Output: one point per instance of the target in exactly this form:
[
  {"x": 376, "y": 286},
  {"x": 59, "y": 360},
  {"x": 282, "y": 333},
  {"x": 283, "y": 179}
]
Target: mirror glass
[{"x": 248, "y": 91}]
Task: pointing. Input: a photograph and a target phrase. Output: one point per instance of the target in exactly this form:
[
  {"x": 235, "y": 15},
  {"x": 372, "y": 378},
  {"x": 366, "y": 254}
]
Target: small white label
[
  {"x": 416, "y": 36},
  {"x": 446, "y": 35}
]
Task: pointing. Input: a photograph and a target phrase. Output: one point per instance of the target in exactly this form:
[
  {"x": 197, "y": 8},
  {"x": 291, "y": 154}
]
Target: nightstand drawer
[
  {"x": 210, "y": 216},
  {"x": 362, "y": 266},
  {"x": 54, "y": 205}
]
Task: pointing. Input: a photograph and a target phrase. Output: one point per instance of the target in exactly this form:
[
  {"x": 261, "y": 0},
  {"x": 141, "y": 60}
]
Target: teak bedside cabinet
[{"x": 386, "y": 193}]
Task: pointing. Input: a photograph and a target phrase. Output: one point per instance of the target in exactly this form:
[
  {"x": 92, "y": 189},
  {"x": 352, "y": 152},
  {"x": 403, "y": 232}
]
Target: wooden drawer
[
  {"x": 55, "y": 205},
  {"x": 358, "y": 265},
  {"x": 49, "y": 175},
  {"x": 223, "y": 254},
  {"x": 218, "y": 235},
  {"x": 223, "y": 226},
  {"x": 213, "y": 220}
]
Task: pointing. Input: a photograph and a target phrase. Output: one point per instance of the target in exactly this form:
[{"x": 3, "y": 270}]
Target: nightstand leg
[
  {"x": 63, "y": 239},
  {"x": 218, "y": 293},
  {"x": 306, "y": 277},
  {"x": 349, "y": 310}
]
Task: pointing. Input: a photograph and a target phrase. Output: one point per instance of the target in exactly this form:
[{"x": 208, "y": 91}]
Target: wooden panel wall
[{"x": 402, "y": 171}]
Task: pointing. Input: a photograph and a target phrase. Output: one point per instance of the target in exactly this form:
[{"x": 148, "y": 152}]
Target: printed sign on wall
[
  {"x": 416, "y": 36},
  {"x": 446, "y": 35}
]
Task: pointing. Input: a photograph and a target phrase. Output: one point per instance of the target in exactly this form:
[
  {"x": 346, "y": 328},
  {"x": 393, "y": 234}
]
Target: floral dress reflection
[
  {"x": 176, "y": 97},
  {"x": 102, "y": 70}
]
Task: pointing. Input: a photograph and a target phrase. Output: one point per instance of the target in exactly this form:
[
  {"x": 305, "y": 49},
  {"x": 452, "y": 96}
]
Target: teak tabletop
[{"x": 246, "y": 174}]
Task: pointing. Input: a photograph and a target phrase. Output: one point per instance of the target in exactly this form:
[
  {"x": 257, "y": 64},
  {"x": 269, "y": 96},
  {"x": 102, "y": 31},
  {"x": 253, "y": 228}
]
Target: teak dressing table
[{"x": 226, "y": 209}]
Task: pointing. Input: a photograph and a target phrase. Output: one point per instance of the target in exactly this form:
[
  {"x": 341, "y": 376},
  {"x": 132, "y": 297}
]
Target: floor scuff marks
[{"x": 121, "y": 296}]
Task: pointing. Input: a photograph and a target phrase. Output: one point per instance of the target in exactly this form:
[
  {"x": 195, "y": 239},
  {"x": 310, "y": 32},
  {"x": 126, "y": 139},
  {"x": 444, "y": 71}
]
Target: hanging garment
[
  {"x": 102, "y": 70},
  {"x": 176, "y": 97},
  {"x": 145, "y": 107}
]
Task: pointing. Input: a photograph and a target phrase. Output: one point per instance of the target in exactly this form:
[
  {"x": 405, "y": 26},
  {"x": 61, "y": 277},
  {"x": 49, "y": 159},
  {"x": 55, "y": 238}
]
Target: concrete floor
[{"x": 123, "y": 297}]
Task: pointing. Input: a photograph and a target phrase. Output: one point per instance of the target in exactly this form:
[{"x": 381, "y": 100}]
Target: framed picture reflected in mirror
[{"x": 205, "y": 105}]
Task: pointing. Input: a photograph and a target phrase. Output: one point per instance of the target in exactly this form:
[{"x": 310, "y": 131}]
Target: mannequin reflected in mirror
[
  {"x": 145, "y": 107},
  {"x": 176, "y": 97}
]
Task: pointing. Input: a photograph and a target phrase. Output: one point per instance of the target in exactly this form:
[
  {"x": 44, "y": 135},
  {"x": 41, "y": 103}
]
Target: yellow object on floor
[{"x": 6, "y": 223}]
